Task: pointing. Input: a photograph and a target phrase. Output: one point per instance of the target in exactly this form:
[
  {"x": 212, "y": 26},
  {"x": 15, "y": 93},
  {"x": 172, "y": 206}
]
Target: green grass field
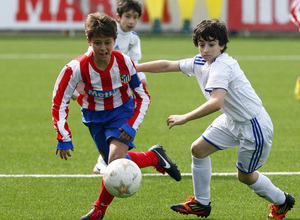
[{"x": 29, "y": 67}]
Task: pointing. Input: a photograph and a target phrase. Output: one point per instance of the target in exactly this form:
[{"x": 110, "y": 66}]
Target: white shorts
[{"x": 254, "y": 139}]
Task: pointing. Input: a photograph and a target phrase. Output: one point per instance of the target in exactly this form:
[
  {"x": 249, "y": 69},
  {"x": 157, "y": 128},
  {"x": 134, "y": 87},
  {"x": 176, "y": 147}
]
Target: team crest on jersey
[{"x": 125, "y": 78}]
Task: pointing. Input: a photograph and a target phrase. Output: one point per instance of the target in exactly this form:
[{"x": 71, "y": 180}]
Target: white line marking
[{"x": 145, "y": 174}]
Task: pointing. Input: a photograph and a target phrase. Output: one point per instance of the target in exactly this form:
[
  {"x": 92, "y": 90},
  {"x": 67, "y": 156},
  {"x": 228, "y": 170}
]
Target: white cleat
[{"x": 100, "y": 167}]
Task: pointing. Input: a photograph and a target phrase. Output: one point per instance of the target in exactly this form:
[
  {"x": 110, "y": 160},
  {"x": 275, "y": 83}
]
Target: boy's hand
[
  {"x": 124, "y": 136},
  {"x": 64, "y": 153},
  {"x": 176, "y": 120}
]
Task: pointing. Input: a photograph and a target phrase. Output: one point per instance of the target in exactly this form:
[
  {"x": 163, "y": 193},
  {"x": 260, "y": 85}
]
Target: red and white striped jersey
[{"x": 103, "y": 90}]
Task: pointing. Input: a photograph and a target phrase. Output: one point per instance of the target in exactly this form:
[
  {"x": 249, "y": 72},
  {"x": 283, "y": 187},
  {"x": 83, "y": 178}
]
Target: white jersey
[
  {"x": 130, "y": 44},
  {"x": 241, "y": 102}
]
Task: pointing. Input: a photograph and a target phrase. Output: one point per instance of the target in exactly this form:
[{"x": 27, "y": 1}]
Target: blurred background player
[
  {"x": 128, "y": 42},
  {"x": 110, "y": 111},
  {"x": 295, "y": 18},
  {"x": 297, "y": 88},
  {"x": 244, "y": 122}
]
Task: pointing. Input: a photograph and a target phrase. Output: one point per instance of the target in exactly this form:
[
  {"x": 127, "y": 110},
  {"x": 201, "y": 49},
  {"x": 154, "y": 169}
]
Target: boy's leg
[
  {"x": 100, "y": 166},
  {"x": 143, "y": 159},
  {"x": 201, "y": 169},
  {"x": 251, "y": 156},
  {"x": 201, "y": 172},
  {"x": 262, "y": 186},
  {"x": 156, "y": 157},
  {"x": 117, "y": 150},
  {"x": 199, "y": 204},
  {"x": 281, "y": 201},
  {"x": 100, "y": 206}
]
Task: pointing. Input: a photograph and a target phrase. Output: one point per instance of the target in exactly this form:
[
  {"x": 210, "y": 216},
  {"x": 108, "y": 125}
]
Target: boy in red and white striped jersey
[
  {"x": 127, "y": 42},
  {"x": 114, "y": 103}
]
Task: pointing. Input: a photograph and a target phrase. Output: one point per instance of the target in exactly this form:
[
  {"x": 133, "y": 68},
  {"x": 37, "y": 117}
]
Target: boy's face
[
  {"x": 128, "y": 20},
  {"x": 209, "y": 50},
  {"x": 102, "y": 47}
]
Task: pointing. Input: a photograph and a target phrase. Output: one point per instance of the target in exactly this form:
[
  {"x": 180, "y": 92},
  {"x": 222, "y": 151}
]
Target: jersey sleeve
[
  {"x": 63, "y": 90},
  {"x": 219, "y": 76},
  {"x": 187, "y": 66},
  {"x": 135, "y": 52},
  {"x": 141, "y": 103}
]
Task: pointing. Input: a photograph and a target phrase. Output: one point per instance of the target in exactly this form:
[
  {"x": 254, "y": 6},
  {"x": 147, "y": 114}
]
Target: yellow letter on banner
[
  {"x": 214, "y": 8},
  {"x": 155, "y": 9},
  {"x": 186, "y": 9}
]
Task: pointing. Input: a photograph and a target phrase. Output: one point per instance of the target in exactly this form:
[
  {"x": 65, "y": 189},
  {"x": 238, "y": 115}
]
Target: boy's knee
[
  {"x": 201, "y": 148},
  {"x": 247, "y": 178},
  {"x": 197, "y": 151},
  {"x": 242, "y": 179}
]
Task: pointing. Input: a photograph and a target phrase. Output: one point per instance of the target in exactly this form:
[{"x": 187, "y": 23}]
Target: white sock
[
  {"x": 264, "y": 188},
  {"x": 201, "y": 172}
]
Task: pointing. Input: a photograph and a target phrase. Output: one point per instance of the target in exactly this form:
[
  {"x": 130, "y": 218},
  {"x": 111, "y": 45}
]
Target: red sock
[
  {"x": 105, "y": 198},
  {"x": 143, "y": 159}
]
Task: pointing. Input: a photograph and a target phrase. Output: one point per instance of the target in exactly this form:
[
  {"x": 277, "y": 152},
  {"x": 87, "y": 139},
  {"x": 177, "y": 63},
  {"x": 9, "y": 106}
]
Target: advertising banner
[
  {"x": 260, "y": 15},
  {"x": 70, "y": 14}
]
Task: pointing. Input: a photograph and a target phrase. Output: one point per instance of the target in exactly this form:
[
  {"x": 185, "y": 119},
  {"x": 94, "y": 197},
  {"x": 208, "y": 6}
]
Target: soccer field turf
[{"x": 29, "y": 67}]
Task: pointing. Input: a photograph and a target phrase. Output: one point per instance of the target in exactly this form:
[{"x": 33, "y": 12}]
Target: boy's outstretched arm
[
  {"x": 158, "y": 66},
  {"x": 214, "y": 104}
]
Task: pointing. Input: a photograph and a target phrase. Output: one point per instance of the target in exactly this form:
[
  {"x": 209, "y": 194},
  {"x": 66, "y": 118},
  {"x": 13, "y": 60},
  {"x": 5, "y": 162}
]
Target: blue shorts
[{"x": 104, "y": 125}]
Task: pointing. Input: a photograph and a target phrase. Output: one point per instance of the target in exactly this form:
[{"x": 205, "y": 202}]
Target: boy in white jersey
[
  {"x": 244, "y": 122},
  {"x": 109, "y": 110},
  {"x": 128, "y": 42}
]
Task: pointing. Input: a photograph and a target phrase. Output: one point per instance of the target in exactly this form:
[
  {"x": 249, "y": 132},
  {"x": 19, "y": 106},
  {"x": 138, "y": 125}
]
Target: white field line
[
  {"x": 144, "y": 174},
  {"x": 153, "y": 57}
]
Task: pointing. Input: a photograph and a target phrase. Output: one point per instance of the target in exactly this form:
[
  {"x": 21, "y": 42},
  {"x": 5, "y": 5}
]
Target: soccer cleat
[
  {"x": 279, "y": 211},
  {"x": 100, "y": 167},
  {"x": 164, "y": 163},
  {"x": 94, "y": 214},
  {"x": 191, "y": 206}
]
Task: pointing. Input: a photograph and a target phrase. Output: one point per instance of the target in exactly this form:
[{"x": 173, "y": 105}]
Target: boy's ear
[
  {"x": 118, "y": 17},
  {"x": 88, "y": 40},
  {"x": 222, "y": 47}
]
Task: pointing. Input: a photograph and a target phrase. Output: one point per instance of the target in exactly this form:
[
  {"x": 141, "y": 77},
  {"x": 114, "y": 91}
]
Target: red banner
[{"x": 260, "y": 15}]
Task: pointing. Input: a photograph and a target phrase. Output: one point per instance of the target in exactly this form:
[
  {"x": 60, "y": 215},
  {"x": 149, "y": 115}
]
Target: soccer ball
[{"x": 122, "y": 178}]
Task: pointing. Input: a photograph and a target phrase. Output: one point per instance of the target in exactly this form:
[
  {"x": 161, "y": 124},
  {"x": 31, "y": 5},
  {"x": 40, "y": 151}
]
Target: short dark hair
[
  {"x": 127, "y": 5},
  {"x": 100, "y": 24},
  {"x": 211, "y": 30}
]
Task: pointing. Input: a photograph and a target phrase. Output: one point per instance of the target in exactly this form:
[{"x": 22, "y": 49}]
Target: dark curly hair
[{"x": 211, "y": 30}]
